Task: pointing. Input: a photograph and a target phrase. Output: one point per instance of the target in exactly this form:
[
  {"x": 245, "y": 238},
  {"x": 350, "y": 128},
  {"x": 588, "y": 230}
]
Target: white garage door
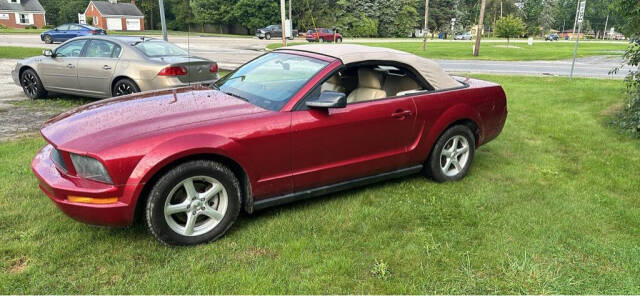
[
  {"x": 114, "y": 23},
  {"x": 133, "y": 24}
]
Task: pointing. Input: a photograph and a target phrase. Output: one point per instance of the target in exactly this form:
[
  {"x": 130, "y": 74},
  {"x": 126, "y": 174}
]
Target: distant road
[{"x": 230, "y": 52}]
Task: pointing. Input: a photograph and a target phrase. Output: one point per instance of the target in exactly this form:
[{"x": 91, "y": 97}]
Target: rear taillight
[
  {"x": 173, "y": 71},
  {"x": 213, "y": 68}
]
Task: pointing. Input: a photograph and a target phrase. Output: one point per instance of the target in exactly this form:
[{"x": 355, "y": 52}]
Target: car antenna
[{"x": 188, "y": 53}]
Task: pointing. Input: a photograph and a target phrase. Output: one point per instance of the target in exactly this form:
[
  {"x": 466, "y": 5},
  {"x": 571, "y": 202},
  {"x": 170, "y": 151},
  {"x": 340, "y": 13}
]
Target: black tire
[
  {"x": 123, "y": 87},
  {"x": 32, "y": 85},
  {"x": 267, "y": 36},
  {"x": 434, "y": 166},
  {"x": 155, "y": 208},
  {"x": 338, "y": 40},
  {"x": 48, "y": 39}
]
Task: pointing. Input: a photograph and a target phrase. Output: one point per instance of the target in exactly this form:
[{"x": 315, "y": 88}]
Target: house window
[
  {"x": 14, "y": 1},
  {"x": 24, "y": 19},
  {"x": 96, "y": 20},
  {"x": 4, "y": 16}
]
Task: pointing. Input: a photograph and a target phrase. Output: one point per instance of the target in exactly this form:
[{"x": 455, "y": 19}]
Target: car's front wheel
[
  {"x": 124, "y": 87},
  {"x": 339, "y": 40},
  {"x": 267, "y": 36},
  {"x": 195, "y": 202},
  {"x": 48, "y": 39},
  {"x": 452, "y": 154},
  {"x": 31, "y": 84}
]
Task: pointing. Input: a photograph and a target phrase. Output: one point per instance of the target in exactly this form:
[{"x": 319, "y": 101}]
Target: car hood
[{"x": 110, "y": 122}]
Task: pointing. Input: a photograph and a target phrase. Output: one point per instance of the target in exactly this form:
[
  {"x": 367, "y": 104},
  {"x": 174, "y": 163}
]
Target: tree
[
  {"x": 629, "y": 118},
  {"x": 255, "y": 14},
  {"x": 509, "y": 27},
  {"x": 531, "y": 10},
  {"x": 217, "y": 12}
]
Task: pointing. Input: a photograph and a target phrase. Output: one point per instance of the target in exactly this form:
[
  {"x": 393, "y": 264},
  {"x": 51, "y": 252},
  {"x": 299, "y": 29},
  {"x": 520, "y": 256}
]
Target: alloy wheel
[
  {"x": 30, "y": 84},
  {"x": 124, "y": 89},
  {"x": 454, "y": 156},
  {"x": 196, "y": 205}
]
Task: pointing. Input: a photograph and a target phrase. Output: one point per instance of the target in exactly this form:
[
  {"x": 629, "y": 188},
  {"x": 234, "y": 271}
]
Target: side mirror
[
  {"x": 329, "y": 99},
  {"x": 47, "y": 53}
]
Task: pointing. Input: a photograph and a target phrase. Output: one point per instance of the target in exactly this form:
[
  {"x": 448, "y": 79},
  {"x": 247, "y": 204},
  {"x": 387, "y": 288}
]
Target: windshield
[
  {"x": 159, "y": 48},
  {"x": 270, "y": 80}
]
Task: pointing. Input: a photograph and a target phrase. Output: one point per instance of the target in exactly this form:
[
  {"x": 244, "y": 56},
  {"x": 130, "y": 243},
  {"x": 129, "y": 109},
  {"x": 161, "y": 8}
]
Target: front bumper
[
  {"x": 260, "y": 35},
  {"x": 16, "y": 76},
  {"x": 59, "y": 187}
]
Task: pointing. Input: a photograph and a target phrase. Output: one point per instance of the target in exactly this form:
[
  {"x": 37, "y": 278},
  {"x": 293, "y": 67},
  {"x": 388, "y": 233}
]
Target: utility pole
[
  {"x": 290, "y": 15},
  {"x": 476, "y": 49},
  {"x": 163, "y": 20},
  {"x": 500, "y": 9},
  {"x": 582, "y": 6},
  {"x": 282, "y": 16},
  {"x": 605, "y": 27},
  {"x": 426, "y": 28},
  {"x": 575, "y": 21}
]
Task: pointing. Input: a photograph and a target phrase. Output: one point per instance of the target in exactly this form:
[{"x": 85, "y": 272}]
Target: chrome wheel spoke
[
  {"x": 456, "y": 164},
  {"x": 212, "y": 213},
  {"x": 213, "y": 191},
  {"x": 179, "y": 208},
  {"x": 191, "y": 190},
  {"x": 191, "y": 222}
]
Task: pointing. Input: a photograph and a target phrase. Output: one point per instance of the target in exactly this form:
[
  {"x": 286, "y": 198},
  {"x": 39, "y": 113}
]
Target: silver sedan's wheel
[
  {"x": 454, "y": 156},
  {"x": 196, "y": 205}
]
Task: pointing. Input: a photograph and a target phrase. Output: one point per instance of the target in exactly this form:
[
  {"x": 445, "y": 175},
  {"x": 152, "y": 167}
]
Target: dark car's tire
[
  {"x": 267, "y": 36},
  {"x": 31, "y": 84},
  {"x": 176, "y": 217},
  {"x": 448, "y": 162},
  {"x": 48, "y": 39},
  {"x": 338, "y": 40},
  {"x": 123, "y": 87}
]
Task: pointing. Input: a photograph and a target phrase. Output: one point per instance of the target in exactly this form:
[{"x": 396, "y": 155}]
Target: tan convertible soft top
[{"x": 352, "y": 53}]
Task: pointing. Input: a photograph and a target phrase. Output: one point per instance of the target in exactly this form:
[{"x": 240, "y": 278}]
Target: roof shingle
[
  {"x": 107, "y": 8},
  {"x": 24, "y": 5}
]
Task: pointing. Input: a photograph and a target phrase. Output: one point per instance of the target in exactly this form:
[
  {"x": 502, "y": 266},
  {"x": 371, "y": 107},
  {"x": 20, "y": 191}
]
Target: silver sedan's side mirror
[
  {"x": 47, "y": 53},
  {"x": 329, "y": 99}
]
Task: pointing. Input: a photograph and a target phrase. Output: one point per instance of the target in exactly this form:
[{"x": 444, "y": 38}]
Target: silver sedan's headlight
[{"x": 90, "y": 168}]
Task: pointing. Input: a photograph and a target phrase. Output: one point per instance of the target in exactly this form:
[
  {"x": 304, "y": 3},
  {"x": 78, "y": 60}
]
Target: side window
[
  {"x": 101, "y": 49},
  {"x": 382, "y": 81},
  {"x": 71, "y": 49},
  {"x": 63, "y": 28},
  {"x": 74, "y": 28}
]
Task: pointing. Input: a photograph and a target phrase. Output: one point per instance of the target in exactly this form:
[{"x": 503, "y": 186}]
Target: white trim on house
[
  {"x": 125, "y": 16},
  {"x": 16, "y": 1}
]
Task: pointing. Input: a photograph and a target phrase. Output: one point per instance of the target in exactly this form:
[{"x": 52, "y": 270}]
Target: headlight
[{"x": 90, "y": 168}]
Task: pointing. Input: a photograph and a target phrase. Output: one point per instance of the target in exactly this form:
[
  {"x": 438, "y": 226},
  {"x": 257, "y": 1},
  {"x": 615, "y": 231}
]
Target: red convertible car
[{"x": 295, "y": 123}]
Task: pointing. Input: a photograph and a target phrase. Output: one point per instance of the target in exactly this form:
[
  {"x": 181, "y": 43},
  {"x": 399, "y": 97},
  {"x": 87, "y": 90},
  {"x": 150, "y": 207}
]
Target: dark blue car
[{"x": 67, "y": 31}]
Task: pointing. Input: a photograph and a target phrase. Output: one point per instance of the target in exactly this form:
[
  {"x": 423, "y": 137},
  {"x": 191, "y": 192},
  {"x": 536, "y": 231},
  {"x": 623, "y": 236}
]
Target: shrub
[
  {"x": 2, "y": 26},
  {"x": 30, "y": 27},
  {"x": 48, "y": 27},
  {"x": 629, "y": 118},
  {"x": 509, "y": 27}
]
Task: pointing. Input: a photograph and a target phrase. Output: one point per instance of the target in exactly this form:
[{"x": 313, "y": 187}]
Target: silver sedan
[{"x": 106, "y": 66}]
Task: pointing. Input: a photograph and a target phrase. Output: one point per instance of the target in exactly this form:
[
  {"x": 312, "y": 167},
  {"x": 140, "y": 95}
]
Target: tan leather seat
[
  {"x": 369, "y": 87},
  {"x": 332, "y": 84},
  {"x": 399, "y": 85}
]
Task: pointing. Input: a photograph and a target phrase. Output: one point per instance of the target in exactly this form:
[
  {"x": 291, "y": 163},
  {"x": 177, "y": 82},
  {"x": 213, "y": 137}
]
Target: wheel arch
[
  {"x": 120, "y": 77},
  {"x": 234, "y": 166}
]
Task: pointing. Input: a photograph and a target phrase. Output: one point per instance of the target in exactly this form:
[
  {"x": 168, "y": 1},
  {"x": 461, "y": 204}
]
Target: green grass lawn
[
  {"x": 15, "y": 52},
  {"x": 551, "y": 206},
  {"x": 498, "y": 51}
]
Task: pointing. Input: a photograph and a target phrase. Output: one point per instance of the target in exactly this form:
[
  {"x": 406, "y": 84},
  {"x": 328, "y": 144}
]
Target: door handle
[
  {"x": 106, "y": 67},
  {"x": 402, "y": 114},
  {"x": 70, "y": 66}
]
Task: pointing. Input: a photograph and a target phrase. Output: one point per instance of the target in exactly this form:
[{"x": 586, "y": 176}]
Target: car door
[
  {"x": 96, "y": 68},
  {"x": 362, "y": 139},
  {"x": 75, "y": 31},
  {"x": 277, "y": 31},
  {"x": 60, "y": 33},
  {"x": 60, "y": 72}
]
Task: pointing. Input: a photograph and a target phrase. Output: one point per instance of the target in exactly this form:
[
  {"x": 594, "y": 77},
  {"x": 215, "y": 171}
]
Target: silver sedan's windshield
[{"x": 271, "y": 80}]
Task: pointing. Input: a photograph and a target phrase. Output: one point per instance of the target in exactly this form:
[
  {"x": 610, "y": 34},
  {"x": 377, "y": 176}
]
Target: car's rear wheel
[
  {"x": 48, "y": 39},
  {"x": 452, "y": 154},
  {"x": 123, "y": 87},
  {"x": 31, "y": 84},
  {"x": 267, "y": 36},
  {"x": 195, "y": 202}
]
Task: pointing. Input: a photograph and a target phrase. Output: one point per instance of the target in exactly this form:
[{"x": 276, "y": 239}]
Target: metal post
[
  {"x": 282, "y": 16},
  {"x": 476, "y": 50},
  {"x": 290, "y": 15},
  {"x": 582, "y": 6},
  {"x": 575, "y": 21},
  {"x": 163, "y": 21},
  {"x": 426, "y": 25},
  {"x": 605, "y": 27}
]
